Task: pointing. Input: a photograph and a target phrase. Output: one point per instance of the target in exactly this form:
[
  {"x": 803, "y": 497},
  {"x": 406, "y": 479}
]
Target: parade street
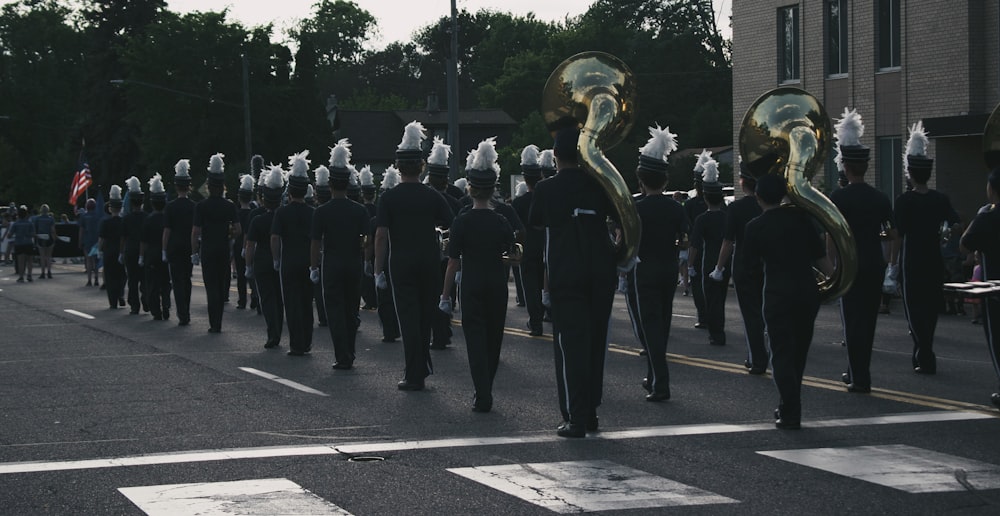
[{"x": 109, "y": 413}]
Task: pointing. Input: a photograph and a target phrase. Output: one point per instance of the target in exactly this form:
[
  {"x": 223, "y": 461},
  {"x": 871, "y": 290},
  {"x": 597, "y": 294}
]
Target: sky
[{"x": 398, "y": 20}]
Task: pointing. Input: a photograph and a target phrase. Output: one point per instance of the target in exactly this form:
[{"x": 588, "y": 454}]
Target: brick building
[{"x": 897, "y": 62}]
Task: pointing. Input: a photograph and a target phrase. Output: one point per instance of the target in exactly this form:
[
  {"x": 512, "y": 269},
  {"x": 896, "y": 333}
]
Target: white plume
[
  {"x": 462, "y": 183},
  {"x": 134, "y": 185},
  {"x": 216, "y": 165},
  {"x": 299, "y": 164},
  {"x": 661, "y": 143},
  {"x": 530, "y": 155},
  {"x": 340, "y": 155},
  {"x": 917, "y": 144},
  {"x": 486, "y": 155},
  {"x": 703, "y": 158},
  {"x": 156, "y": 184},
  {"x": 182, "y": 167},
  {"x": 440, "y": 153},
  {"x": 276, "y": 177},
  {"x": 850, "y": 128},
  {"x": 711, "y": 171},
  {"x": 116, "y": 193},
  {"x": 354, "y": 179},
  {"x": 246, "y": 182},
  {"x": 391, "y": 178},
  {"x": 520, "y": 189},
  {"x": 310, "y": 192},
  {"x": 547, "y": 159},
  {"x": 367, "y": 179},
  {"x": 262, "y": 177},
  {"x": 322, "y": 176},
  {"x": 470, "y": 159},
  {"x": 413, "y": 135}
]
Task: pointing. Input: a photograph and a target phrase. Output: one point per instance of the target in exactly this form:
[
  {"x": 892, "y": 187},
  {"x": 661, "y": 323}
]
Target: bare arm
[
  {"x": 449, "y": 276},
  {"x": 381, "y": 248},
  {"x": 275, "y": 247},
  {"x": 166, "y": 238},
  {"x": 725, "y": 252}
]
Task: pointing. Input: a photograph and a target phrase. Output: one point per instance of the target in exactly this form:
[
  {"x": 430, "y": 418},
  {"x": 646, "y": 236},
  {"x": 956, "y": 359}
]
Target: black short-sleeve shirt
[
  {"x": 132, "y": 231},
  {"x": 178, "y": 217},
  {"x": 706, "y": 236},
  {"x": 411, "y": 212},
  {"x": 785, "y": 243},
  {"x": 214, "y": 216},
  {"x": 152, "y": 235},
  {"x": 260, "y": 234},
  {"x": 866, "y": 210},
  {"x": 918, "y": 219},
  {"x": 340, "y": 224},
  {"x": 663, "y": 223},
  {"x": 479, "y": 238},
  {"x": 292, "y": 224},
  {"x": 111, "y": 232}
]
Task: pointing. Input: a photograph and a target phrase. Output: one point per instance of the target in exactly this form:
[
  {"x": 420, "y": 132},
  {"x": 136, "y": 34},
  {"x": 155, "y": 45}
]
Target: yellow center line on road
[{"x": 811, "y": 381}]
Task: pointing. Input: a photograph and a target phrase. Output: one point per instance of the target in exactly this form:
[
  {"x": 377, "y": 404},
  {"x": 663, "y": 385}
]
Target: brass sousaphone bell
[
  {"x": 596, "y": 92},
  {"x": 786, "y": 132}
]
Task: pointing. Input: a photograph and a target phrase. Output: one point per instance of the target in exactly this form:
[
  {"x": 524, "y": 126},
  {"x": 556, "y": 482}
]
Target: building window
[
  {"x": 890, "y": 166},
  {"x": 788, "y": 43},
  {"x": 888, "y": 34},
  {"x": 836, "y": 29}
]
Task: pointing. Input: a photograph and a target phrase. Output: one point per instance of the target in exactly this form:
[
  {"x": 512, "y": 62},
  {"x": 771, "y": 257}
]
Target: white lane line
[
  {"x": 360, "y": 448},
  {"x": 283, "y": 381},
  {"x": 78, "y": 314},
  {"x": 263, "y": 496}
]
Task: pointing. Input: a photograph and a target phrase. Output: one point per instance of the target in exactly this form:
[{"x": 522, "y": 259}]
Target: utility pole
[
  {"x": 453, "y": 133},
  {"x": 246, "y": 111}
]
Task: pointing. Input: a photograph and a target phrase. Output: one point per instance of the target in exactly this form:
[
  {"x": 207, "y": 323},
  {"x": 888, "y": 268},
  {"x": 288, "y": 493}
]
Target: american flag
[{"x": 81, "y": 182}]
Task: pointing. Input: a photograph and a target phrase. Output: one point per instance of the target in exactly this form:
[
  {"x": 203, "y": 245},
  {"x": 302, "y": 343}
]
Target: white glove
[
  {"x": 121, "y": 258},
  {"x": 141, "y": 261},
  {"x": 163, "y": 256},
  {"x": 369, "y": 269},
  {"x": 622, "y": 284},
  {"x": 277, "y": 265},
  {"x": 546, "y": 299},
  {"x": 314, "y": 275},
  {"x": 248, "y": 272},
  {"x": 717, "y": 273},
  {"x": 195, "y": 259},
  {"x": 889, "y": 284},
  {"x": 380, "y": 282},
  {"x": 445, "y": 305},
  {"x": 692, "y": 272},
  {"x": 243, "y": 253},
  {"x": 458, "y": 277}
]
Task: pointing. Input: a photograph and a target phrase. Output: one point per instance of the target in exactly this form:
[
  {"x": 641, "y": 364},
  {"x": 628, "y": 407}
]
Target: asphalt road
[{"x": 109, "y": 413}]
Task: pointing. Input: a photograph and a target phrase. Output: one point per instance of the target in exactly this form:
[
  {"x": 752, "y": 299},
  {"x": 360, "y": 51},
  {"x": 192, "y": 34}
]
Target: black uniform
[
  {"x": 652, "y": 283},
  {"x": 179, "y": 218},
  {"x": 386, "y": 306},
  {"x": 132, "y": 237},
  {"x": 747, "y": 283},
  {"x": 582, "y": 277},
  {"x": 479, "y": 238},
  {"x": 341, "y": 224},
  {"x": 410, "y": 212},
  {"x": 291, "y": 224},
  {"x": 784, "y": 242},
  {"x": 918, "y": 218},
  {"x": 532, "y": 265},
  {"x": 114, "y": 272},
  {"x": 368, "y": 294},
  {"x": 157, "y": 274},
  {"x": 239, "y": 261},
  {"x": 867, "y": 210},
  {"x": 441, "y": 325},
  {"x": 214, "y": 216},
  {"x": 706, "y": 237},
  {"x": 268, "y": 282},
  {"x": 694, "y": 207},
  {"x": 983, "y": 235}
]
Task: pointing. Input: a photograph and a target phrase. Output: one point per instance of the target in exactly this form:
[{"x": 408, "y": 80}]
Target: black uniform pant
[
  {"x": 342, "y": 299},
  {"x": 922, "y": 297},
  {"x": 650, "y": 300},
  {"x": 217, "y": 277},
  {"x": 484, "y": 311},
  {"x": 790, "y": 319},
  {"x": 271, "y": 304},
  {"x": 157, "y": 287},
  {"x": 518, "y": 285},
  {"x": 749, "y": 296},
  {"x": 136, "y": 283},
  {"x": 582, "y": 313},
  {"x": 859, "y": 311},
  {"x": 368, "y": 291},
  {"x": 440, "y": 321},
  {"x": 240, "y": 263},
  {"x": 560, "y": 378},
  {"x": 318, "y": 299},
  {"x": 991, "y": 324},
  {"x": 180, "y": 275},
  {"x": 532, "y": 274},
  {"x": 698, "y": 294},
  {"x": 415, "y": 290},
  {"x": 114, "y": 280},
  {"x": 387, "y": 311},
  {"x": 297, "y": 293},
  {"x": 715, "y": 307}
]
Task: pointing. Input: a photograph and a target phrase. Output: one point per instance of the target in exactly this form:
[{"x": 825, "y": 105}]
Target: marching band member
[
  {"x": 386, "y": 305},
  {"x": 151, "y": 255},
  {"x": 694, "y": 207},
  {"x": 178, "y": 221},
  {"x": 131, "y": 241},
  {"x": 110, "y": 246},
  {"x": 437, "y": 179},
  {"x": 215, "y": 222},
  {"x": 271, "y": 184},
  {"x": 706, "y": 241},
  {"x": 290, "y": 250},
  {"x": 532, "y": 261},
  {"x": 244, "y": 195}
]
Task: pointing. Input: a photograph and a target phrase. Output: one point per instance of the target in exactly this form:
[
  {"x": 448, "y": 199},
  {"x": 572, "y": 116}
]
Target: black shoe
[
  {"x": 924, "y": 370},
  {"x": 253, "y": 305},
  {"x": 536, "y": 333},
  {"x": 439, "y": 346},
  {"x": 787, "y": 424},
  {"x": 846, "y": 378},
  {"x": 520, "y": 303},
  {"x": 407, "y": 385},
  {"x": 861, "y": 389},
  {"x": 388, "y": 340},
  {"x": 658, "y": 396},
  {"x": 133, "y": 312},
  {"x": 215, "y": 330},
  {"x": 717, "y": 341},
  {"x": 50, "y": 277},
  {"x": 646, "y": 385},
  {"x": 343, "y": 366},
  {"x": 241, "y": 306},
  {"x": 89, "y": 283},
  {"x": 271, "y": 344},
  {"x": 296, "y": 353},
  {"x": 482, "y": 405},
  {"x": 166, "y": 315},
  {"x": 995, "y": 398},
  {"x": 102, "y": 285},
  {"x": 575, "y": 431},
  {"x": 643, "y": 352},
  {"x": 322, "y": 324},
  {"x": 757, "y": 371},
  {"x": 183, "y": 322},
  {"x": 700, "y": 325},
  {"x": 121, "y": 301}
]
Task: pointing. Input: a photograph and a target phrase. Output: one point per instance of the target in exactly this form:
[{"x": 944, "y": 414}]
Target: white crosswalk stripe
[{"x": 264, "y": 496}]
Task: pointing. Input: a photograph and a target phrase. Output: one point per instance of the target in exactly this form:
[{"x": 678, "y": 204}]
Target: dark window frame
[
  {"x": 835, "y": 19},
  {"x": 888, "y": 20},
  {"x": 789, "y": 45}
]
